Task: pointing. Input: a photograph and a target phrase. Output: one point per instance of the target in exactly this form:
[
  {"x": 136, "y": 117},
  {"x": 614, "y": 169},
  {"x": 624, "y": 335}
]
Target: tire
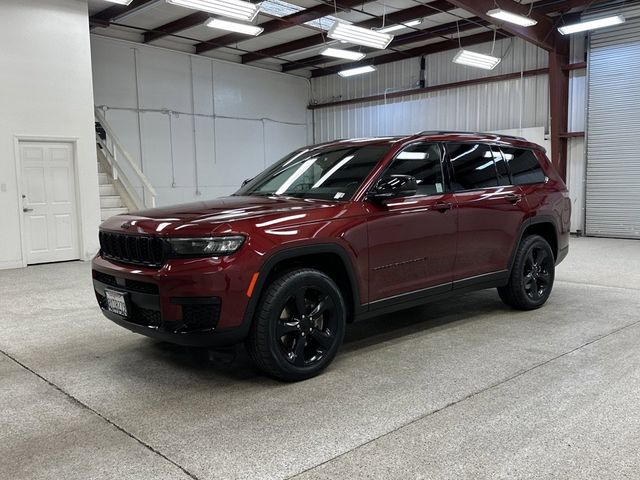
[
  {"x": 532, "y": 275},
  {"x": 299, "y": 325}
]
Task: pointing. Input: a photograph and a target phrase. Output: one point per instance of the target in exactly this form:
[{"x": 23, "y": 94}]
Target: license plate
[{"x": 116, "y": 302}]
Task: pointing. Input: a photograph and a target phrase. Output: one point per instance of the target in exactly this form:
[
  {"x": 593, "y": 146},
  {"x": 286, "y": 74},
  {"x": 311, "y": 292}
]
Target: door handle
[
  {"x": 514, "y": 198},
  {"x": 443, "y": 206},
  {"x": 27, "y": 209}
]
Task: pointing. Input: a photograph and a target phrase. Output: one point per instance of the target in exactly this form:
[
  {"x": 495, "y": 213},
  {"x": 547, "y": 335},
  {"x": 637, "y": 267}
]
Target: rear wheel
[
  {"x": 532, "y": 275},
  {"x": 299, "y": 325}
]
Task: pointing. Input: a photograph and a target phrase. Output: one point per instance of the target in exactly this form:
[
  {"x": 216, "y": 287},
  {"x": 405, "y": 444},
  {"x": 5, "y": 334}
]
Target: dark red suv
[{"x": 338, "y": 232}]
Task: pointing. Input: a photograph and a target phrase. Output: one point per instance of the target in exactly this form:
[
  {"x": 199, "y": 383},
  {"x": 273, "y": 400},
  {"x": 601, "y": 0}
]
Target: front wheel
[
  {"x": 299, "y": 325},
  {"x": 532, "y": 275}
]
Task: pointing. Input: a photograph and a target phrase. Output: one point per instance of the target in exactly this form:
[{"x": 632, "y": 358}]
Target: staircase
[
  {"x": 123, "y": 186},
  {"x": 110, "y": 201}
]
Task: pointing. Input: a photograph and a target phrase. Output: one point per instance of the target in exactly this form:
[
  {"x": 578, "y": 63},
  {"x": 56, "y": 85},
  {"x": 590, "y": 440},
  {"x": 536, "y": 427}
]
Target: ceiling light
[
  {"x": 339, "y": 53},
  {"x": 237, "y": 9},
  {"x": 359, "y": 35},
  {"x": 356, "y": 71},
  {"x": 120, "y": 2},
  {"x": 592, "y": 24},
  {"x": 510, "y": 17},
  {"x": 479, "y": 60},
  {"x": 400, "y": 26},
  {"x": 234, "y": 26}
]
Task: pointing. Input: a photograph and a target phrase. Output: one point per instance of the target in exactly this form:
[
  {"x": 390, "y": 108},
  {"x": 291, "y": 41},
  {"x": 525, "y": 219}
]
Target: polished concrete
[{"x": 457, "y": 389}]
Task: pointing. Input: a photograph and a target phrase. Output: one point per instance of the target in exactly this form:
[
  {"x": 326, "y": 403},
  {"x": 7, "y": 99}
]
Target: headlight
[{"x": 206, "y": 247}]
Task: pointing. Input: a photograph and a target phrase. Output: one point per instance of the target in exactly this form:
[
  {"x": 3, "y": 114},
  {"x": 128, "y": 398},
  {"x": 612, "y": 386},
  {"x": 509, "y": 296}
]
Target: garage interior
[{"x": 130, "y": 105}]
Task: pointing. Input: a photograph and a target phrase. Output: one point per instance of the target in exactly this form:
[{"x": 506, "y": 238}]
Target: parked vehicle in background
[{"x": 338, "y": 232}]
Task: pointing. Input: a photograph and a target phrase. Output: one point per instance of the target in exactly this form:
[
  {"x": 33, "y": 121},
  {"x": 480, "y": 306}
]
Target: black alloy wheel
[{"x": 306, "y": 328}]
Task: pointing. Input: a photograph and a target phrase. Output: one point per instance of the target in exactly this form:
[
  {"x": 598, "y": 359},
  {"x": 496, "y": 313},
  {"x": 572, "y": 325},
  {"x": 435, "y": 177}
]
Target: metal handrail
[{"x": 114, "y": 152}]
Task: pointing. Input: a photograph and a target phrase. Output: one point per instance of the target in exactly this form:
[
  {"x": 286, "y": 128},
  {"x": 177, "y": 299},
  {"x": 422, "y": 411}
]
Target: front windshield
[{"x": 329, "y": 173}]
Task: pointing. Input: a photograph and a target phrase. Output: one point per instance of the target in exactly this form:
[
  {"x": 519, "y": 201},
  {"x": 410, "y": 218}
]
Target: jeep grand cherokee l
[{"x": 333, "y": 233}]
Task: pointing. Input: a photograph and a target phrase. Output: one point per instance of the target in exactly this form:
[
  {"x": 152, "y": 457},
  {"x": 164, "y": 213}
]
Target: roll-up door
[{"x": 613, "y": 136}]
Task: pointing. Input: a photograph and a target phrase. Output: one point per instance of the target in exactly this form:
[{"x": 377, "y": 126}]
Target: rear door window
[
  {"x": 473, "y": 166},
  {"x": 523, "y": 165}
]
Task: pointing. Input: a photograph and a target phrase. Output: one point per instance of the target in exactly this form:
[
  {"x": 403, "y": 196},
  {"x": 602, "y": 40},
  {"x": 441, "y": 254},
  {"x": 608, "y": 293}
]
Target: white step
[
  {"x": 104, "y": 179},
  {"x": 111, "y": 201},
  {"x": 110, "y": 212},
  {"x": 107, "y": 190}
]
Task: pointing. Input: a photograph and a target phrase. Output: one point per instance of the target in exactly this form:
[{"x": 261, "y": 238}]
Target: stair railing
[{"x": 122, "y": 166}]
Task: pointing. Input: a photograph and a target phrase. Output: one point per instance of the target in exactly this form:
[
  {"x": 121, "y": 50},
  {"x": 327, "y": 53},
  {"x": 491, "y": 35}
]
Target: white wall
[
  {"x": 519, "y": 103},
  {"x": 201, "y": 126},
  {"x": 45, "y": 91}
]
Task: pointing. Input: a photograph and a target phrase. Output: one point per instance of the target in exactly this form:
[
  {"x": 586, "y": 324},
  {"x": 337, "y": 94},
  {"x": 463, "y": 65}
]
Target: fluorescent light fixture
[
  {"x": 356, "y": 71},
  {"x": 234, "y": 26},
  {"x": 280, "y": 8},
  {"x": 339, "y": 53},
  {"x": 400, "y": 26},
  {"x": 511, "y": 17},
  {"x": 592, "y": 24},
  {"x": 359, "y": 35},
  {"x": 120, "y": 2},
  {"x": 478, "y": 60},
  {"x": 237, "y": 9}
]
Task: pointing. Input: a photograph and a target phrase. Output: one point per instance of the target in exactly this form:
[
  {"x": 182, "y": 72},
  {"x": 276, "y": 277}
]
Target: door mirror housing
[{"x": 394, "y": 186}]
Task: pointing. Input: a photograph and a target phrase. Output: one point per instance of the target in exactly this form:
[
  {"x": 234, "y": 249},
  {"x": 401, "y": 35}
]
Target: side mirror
[{"x": 393, "y": 186}]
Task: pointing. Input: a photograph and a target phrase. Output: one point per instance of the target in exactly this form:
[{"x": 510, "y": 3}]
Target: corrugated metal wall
[{"x": 519, "y": 103}]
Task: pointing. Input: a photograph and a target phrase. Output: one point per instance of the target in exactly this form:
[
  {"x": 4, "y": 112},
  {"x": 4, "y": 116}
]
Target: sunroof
[{"x": 279, "y": 8}]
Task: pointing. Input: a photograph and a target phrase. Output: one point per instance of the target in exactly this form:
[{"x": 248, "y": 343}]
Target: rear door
[
  {"x": 490, "y": 209},
  {"x": 412, "y": 239}
]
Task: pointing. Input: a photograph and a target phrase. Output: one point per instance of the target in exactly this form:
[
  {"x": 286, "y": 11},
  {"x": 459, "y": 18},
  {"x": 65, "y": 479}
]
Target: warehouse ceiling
[{"x": 295, "y": 30}]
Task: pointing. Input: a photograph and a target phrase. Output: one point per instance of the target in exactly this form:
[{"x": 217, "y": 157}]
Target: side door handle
[
  {"x": 27, "y": 209},
  {"x": 514, "y": 198},
  {"x": 443, "y": 206}
]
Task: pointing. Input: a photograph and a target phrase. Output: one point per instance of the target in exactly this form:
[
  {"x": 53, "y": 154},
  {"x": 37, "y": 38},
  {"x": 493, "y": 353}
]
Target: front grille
[
  {"x": 132, "y": 285},
  {"x": 200, "y": 317},
  {"x": 136, "y": 249}
]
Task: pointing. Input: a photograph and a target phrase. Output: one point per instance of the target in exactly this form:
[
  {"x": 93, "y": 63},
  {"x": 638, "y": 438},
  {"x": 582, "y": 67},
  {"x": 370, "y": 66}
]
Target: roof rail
[{"x": 447, "y": 132}]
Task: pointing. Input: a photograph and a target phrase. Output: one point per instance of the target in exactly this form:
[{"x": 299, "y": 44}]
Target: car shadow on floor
[{"x": 235, "y": 364}]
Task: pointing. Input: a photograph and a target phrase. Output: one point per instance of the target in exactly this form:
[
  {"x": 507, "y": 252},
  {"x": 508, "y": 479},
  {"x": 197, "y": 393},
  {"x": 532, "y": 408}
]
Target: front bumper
[{"x": 190, "y": 303}]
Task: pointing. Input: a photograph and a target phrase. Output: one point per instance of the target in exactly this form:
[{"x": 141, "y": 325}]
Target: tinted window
[
  {"x": 524, "y": 166},
  {"x": 326, "y": 173},
  {"x": 421, "y": 161},
  {"x": 473, "y": 166}
]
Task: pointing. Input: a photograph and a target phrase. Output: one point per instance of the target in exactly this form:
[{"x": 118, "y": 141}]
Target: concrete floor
[{"x": 462, "y": 389}]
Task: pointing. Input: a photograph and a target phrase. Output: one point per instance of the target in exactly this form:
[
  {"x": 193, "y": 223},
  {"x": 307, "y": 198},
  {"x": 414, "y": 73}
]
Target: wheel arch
[{"x": 329, "y": 258}]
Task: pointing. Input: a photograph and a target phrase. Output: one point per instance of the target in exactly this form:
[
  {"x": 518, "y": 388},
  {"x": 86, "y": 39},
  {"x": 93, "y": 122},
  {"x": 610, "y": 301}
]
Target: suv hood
[{"x": 210, "y": 213}]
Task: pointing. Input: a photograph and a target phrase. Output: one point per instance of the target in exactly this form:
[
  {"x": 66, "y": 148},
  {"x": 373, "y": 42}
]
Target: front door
[
  {"x": 490, "y": 210},
  {"x": 412, "y": 239},
  {"x": 48, "y": 202}
]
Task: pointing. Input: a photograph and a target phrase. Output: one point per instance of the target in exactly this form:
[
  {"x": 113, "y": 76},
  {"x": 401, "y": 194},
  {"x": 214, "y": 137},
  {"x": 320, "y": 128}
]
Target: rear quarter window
[{"x": 524, "y": 166}]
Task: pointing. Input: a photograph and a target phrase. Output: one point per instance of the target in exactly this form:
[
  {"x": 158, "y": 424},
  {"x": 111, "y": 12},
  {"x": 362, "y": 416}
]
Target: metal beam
[
  {"x": 278, "y": 24},
  {"x": 307, "y": 42},
  {"x": 412, "y": 52},
  {"x": 193, "y": 20}
]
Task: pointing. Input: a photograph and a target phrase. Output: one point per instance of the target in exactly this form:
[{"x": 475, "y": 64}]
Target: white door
[{"x": 49, "y": 202}]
